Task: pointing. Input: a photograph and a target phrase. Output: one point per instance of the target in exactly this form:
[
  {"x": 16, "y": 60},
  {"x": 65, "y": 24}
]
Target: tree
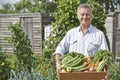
[
  {"x": 29, "y": 6},
  {"x": 108, "y": 5},
  {"x": 23, "y": 6},
  {"x": 47, "y": 6},
  {"x": 7, "y": 8}
]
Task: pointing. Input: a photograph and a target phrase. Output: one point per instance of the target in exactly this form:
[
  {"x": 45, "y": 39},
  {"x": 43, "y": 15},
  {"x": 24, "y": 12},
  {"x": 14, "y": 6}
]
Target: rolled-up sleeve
[{"x": 63, "y": 46}]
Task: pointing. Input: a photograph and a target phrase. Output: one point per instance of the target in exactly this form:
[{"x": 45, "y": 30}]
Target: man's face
[{"x": 84, "y": 16}]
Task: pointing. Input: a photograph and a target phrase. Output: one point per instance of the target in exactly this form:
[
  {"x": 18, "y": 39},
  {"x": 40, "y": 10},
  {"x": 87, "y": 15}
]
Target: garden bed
[{"x": 82, "y": 75}]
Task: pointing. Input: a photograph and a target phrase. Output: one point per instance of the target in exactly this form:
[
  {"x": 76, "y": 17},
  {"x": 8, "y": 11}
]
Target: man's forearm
[{"x": 57, "y": 58}]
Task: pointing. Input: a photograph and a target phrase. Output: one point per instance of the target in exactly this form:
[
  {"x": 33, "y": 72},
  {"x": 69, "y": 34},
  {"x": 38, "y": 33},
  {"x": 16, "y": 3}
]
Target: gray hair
[{"x": 84, "y": 6}]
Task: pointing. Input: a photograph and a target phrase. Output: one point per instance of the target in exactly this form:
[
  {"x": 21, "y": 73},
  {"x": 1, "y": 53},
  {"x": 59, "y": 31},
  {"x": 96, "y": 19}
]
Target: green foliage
[
  {"x": 42, "y": 69},
  {"x": 21, "y": 46},
  {"x": 23, "y": 6},
  {"x": 4, "y": 66},
  {"x": 47, "y": 68},
  {"x": 25, "y": 75},
  {"x": 114, "y": 71},
  {"x": 46, "y": 6},
  {"x": 109, "y": 5},
  {"x": 24, "y": 63},
  {"x": 7, "y": 8},
  {"x": 29, "y": 6}
]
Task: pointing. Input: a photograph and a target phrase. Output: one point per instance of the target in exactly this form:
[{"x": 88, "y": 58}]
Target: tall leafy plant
[
  {"x": 21, "y": 46},
  {"x": 114, "y": 71},
  {"x": 66, "y": 19},
  {"x": 27, "y": 60}
]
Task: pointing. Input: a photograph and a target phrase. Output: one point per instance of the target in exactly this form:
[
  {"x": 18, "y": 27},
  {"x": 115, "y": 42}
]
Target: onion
[
  {"x": 63, "y": 71},
  {"x": 69, "y": 69},
  {"x": 91, "y": 69}
]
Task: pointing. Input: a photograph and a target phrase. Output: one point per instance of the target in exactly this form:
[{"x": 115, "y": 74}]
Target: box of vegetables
[{"x": 76, "y": 66}]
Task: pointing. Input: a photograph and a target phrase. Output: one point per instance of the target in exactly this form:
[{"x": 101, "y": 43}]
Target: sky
[{"x": 7, "y": 1}]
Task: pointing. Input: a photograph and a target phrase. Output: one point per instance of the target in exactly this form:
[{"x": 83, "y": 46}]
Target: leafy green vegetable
[{"x": 103, "y": 55}]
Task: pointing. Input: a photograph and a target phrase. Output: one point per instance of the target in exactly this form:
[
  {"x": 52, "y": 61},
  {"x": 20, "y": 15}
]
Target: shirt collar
[{"x": 89, "y": 29}]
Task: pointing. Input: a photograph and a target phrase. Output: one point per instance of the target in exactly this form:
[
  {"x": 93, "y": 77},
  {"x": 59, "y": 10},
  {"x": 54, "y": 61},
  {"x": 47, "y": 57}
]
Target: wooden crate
[{"x": 82, "y": 75}]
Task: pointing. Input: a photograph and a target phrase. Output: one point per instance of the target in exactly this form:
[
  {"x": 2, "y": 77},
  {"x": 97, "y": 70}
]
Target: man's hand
[
  {"x": 58, "y": 68},
  {"x": 106, "y": 78}
]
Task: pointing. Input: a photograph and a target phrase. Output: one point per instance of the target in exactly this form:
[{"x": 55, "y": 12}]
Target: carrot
[
  {"x": 91, "y": 64},
  {"x": 96, "y": 64}
]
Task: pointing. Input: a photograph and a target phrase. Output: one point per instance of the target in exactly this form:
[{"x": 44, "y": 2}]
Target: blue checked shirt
[{"x": 87, "y": 44}]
